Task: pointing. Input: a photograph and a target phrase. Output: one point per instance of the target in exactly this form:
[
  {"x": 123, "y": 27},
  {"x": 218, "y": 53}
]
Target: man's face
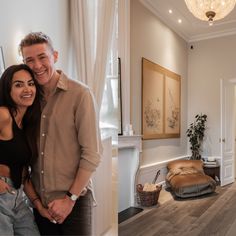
[{"x": 41, "y": 59}]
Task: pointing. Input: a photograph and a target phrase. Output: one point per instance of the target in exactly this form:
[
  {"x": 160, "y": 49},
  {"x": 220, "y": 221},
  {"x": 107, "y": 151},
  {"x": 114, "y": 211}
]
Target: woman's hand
[
  {"x": 44, "y": 213},
  {"x": 42, "y": 210},
  {"x": 4, "y": 187}
]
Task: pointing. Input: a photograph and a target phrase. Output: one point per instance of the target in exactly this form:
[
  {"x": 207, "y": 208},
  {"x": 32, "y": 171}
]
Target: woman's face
[{"x": 23, "y": 89}]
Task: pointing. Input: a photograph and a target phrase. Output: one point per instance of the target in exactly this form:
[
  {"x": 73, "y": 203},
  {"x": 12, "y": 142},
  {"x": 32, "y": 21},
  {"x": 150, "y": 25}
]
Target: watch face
[{"x": 74, "y": 197}]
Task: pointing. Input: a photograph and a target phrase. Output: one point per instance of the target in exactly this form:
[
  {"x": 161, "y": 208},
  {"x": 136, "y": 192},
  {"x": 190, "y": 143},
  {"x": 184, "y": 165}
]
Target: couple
[{"x": 49, "y": 146}]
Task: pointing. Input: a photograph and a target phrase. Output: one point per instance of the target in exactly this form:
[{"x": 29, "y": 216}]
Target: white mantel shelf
[{"x": 134, "y": 141}]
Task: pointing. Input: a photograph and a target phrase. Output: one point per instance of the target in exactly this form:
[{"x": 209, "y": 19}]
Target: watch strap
[{"x": 73, "y": 197}]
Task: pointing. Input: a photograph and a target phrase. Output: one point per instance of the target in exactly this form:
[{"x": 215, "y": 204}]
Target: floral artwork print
[
  {"x": 152, "y": 115},
  {"x": 161, "y": 91},
  {"x": 172, "y": 120}
]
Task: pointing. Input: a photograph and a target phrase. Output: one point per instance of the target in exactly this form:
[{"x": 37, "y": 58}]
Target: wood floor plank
[
  {"x": 213, "y": 214},
  {"x": 222, "y": 221},
  {"x": 210, "y": 217},
  {"x": 232, "y": 229}
]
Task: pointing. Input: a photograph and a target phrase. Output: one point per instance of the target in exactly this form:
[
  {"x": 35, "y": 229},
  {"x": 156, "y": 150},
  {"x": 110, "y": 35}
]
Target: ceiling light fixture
[{"x": 210, "y": 10}]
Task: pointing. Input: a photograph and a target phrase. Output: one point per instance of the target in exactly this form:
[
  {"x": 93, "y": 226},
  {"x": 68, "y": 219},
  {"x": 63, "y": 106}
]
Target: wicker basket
[{"x": 148, "y": 198}]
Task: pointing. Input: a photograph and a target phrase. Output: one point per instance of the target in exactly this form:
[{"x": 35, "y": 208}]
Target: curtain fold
[{"x": 91, "y": 30}]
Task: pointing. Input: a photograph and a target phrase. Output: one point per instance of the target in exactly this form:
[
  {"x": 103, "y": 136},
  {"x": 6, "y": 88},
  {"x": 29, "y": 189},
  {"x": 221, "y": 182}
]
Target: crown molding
[
  {"x": 152, "y": 8},
  {"x": 218, "y": 34},
  {"x": 149, "y": 4}
]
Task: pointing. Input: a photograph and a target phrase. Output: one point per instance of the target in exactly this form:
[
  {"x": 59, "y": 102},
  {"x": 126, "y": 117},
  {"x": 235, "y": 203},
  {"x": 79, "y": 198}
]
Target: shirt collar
[{"x": 63, "y": 81}]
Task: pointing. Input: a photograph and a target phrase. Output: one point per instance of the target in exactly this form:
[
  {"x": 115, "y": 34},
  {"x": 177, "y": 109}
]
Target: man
[{"x": 69, "y": 143}]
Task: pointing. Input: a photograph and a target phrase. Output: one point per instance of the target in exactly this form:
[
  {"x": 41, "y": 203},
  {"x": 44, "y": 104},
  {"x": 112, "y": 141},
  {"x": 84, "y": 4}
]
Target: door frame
[{"x": 225, "y": 177}]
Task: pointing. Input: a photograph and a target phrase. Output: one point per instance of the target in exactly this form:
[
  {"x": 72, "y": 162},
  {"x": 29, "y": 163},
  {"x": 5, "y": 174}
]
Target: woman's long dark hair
[{"x": 31, "y": 119}]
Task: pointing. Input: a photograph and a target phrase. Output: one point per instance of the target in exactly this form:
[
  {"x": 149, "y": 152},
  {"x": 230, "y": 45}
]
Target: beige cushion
[
  {"x": 186, "y": 178},
  {"x": 197, "y": 164}
]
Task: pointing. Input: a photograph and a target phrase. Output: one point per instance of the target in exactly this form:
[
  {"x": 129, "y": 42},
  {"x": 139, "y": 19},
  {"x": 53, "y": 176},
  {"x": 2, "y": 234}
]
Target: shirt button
[
  {"x": 43, "y": 134},
  {"x": 44, "y": 116},
  {"x": 42, "y": 153},
  {"x": 42, "y": 172},
  {"x": 43, "y": 190}
]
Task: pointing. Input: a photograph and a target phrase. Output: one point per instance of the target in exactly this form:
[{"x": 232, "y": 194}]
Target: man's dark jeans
[{"x": 79, "y": 221}]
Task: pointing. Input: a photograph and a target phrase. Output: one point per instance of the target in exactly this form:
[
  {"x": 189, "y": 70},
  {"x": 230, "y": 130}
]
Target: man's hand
[{"x": 59, "y": 209}]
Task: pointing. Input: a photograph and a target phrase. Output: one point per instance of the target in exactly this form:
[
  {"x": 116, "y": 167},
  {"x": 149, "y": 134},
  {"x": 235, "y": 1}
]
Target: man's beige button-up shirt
[{"x": 69, "y": 139}]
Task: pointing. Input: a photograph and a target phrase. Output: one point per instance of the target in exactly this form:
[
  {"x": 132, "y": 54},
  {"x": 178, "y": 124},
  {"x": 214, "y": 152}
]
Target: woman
[{"x": 19, "y": 125}]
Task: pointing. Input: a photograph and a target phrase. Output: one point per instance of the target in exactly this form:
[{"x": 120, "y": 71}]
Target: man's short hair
[{"x": 35, "y": 38}]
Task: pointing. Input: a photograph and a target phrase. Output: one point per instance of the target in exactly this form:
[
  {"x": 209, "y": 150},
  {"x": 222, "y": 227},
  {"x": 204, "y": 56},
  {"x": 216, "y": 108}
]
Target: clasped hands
[{"x": 58, "y": 210}]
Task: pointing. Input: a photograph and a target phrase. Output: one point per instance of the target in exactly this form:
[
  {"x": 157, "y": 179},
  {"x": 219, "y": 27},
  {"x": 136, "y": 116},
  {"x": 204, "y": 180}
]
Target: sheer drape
[{"x": 91, "y": 29}]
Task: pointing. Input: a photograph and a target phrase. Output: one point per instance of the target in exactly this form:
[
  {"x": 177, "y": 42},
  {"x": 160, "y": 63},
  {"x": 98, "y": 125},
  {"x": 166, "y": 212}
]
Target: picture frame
[
  {"x": 2, "y": 62},
  {"x": 161, "y": 102},
  {"x": 120, "y": 123}
]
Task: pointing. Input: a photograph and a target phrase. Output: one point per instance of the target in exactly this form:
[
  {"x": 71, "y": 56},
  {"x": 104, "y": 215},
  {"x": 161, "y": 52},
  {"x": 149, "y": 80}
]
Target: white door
[{"x": 227, "y": 132}]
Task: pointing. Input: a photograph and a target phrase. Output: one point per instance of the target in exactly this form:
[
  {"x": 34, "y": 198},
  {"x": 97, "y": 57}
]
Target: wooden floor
[{"x": 213, "y": 214}]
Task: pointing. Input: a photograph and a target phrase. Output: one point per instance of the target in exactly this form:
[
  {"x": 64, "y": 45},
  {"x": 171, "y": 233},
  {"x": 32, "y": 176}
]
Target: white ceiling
[{"x": 191, "y": 28}]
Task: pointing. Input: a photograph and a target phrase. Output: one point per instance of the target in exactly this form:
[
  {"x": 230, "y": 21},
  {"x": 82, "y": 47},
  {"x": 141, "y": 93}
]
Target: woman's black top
[{"x": 15, "y": 153}]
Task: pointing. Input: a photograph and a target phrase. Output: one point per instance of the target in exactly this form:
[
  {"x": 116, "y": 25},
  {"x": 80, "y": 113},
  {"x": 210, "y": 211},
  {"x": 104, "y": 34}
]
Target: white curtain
[{"x": 91, "y": 29}]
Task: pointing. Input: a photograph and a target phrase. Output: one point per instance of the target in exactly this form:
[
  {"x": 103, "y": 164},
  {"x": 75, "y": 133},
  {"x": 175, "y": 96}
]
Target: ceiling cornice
[
  {"x": 151, "y": 5},
  {"x": 212, "y": 35}
]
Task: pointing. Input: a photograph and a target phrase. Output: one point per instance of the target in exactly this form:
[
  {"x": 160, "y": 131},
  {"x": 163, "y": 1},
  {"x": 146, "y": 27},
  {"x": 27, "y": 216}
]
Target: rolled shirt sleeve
[{"x": 86, "y": 120}]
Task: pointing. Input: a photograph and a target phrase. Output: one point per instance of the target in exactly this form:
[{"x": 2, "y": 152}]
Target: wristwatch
[{"x": 73, "y": 197}]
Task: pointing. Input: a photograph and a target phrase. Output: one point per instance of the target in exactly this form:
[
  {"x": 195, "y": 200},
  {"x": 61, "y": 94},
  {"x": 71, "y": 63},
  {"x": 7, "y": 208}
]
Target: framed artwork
[
  {"x": 120, "y": 128},
  {"x": 161, "y": 91},
  {"x": 2, "y": 63}
]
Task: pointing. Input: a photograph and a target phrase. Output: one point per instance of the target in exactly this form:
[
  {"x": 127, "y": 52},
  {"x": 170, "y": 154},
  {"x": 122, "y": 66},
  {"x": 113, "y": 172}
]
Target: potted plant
[{"x": 195, "y": 133}]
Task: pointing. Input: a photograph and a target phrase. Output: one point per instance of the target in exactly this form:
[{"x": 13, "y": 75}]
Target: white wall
[
  {"x": 210, "y": 61},
  {"x": 20, "y": 17},
  {"x": 151, "y": 39}
]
